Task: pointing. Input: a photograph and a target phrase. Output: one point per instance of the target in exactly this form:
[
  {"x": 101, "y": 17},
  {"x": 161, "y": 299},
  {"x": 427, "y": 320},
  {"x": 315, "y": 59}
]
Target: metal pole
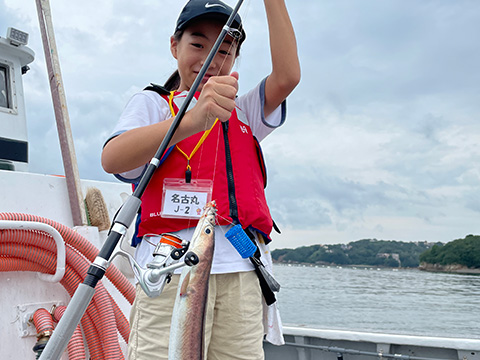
[{"x": 61, "y": 114}]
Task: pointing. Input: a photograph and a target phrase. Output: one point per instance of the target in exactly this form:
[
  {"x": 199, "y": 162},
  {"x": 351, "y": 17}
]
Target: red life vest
[{"x": 210, "y": 163}]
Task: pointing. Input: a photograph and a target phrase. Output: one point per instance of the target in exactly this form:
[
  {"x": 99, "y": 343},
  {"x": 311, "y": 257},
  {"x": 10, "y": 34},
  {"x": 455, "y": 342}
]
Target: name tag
[{"x": 185, "y": 200}]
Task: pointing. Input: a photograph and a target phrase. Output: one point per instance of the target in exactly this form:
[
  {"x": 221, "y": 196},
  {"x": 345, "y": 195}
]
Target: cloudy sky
[{"x": 382, "y": 138}]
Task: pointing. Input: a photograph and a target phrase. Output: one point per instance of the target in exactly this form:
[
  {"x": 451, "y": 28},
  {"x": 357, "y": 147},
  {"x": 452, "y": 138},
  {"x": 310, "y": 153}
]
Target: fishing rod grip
[
  {"x": 85, "y": 291},
  {"x": 68, "y": 323}
]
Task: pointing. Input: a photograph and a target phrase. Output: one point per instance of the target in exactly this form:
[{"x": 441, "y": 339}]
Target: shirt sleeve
[
  {"x": 252, "y": 105},
  {"x": 143, "y": 109}
]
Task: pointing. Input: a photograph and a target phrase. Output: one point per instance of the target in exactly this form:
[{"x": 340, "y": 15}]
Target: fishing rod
[{"x": 86, "y": 290}]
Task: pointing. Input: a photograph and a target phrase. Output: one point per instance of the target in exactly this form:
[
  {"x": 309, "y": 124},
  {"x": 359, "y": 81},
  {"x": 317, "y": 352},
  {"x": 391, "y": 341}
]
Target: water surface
[{"x": 390, "y": 301}]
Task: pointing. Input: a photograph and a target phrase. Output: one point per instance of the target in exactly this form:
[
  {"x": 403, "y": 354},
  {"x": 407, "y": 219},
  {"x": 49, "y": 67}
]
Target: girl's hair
[{"x": 173, "y": 82}]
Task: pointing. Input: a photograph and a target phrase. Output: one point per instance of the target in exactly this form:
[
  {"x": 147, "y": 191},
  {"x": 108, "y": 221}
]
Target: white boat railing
[
  {"x": 38, "y": 226},
  {"x": 326, "y": 344},
  {"x": 382, "y": 338}
]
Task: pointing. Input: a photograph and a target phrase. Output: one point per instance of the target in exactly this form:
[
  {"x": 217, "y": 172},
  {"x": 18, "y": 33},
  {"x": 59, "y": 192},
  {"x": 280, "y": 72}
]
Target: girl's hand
[{"x": 217, "y": 100}]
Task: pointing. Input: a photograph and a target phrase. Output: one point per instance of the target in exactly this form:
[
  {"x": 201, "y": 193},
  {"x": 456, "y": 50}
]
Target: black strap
[
  {"x": 268, "y": 294},
  {"x": 275, "y": 226},
  {"x": 159, "y": 89},
  {"x": 232, "y": 199},
  {"x": 260, "y": 270}
]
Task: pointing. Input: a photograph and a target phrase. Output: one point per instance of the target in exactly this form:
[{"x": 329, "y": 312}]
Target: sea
[{"x": 392, "y": 301}]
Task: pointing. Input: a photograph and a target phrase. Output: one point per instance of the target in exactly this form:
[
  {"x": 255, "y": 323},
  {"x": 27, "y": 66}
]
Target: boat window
[{"x": 4, "y": 87}]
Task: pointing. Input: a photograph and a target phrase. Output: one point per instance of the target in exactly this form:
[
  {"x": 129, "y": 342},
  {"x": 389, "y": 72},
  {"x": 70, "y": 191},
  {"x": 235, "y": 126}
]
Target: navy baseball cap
[{"x": 196, "y": 9}]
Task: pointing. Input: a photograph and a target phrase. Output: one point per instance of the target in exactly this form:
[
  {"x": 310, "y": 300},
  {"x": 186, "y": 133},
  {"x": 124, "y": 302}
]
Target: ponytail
[{"x": 173, "y": 82}]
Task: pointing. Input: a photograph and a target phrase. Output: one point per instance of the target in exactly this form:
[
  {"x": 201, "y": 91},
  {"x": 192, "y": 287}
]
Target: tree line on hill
[
  {"x": 386, "y": 253},
  {"x": 464, "y": 252}
]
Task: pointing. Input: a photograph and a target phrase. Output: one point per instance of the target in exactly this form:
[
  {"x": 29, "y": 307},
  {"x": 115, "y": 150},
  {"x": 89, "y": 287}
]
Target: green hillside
[
  {"x": 465, "y": 252},
  {"x": 370, "y": 252}
]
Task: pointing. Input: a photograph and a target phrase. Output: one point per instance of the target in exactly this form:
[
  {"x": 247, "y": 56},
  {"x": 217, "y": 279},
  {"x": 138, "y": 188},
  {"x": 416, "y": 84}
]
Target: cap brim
[{"x": 214, "y": 15}]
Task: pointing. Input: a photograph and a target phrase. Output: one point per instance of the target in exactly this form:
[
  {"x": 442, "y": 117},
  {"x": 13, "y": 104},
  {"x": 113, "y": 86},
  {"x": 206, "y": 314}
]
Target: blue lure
[{"x": 240, "y": 241}]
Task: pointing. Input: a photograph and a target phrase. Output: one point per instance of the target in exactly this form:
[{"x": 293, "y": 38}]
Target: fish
[{"x": 189, "y": 312}]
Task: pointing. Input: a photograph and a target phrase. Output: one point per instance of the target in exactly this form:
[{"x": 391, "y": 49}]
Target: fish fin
[{"x": 185, "y": 282}]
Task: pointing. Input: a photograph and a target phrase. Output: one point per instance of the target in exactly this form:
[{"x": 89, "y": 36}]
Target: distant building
[{"x": 394, "y": 256}]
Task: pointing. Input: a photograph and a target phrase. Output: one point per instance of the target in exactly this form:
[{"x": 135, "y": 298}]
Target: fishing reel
[{"x": 166, "y": 259}]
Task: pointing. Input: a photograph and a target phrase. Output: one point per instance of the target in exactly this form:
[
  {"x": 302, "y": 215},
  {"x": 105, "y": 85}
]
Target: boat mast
[{"x": 61, "y": 114}]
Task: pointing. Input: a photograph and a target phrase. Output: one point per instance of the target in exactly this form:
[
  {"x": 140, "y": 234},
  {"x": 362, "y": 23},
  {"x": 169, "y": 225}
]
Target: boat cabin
[{"x": 14, "y": 59}]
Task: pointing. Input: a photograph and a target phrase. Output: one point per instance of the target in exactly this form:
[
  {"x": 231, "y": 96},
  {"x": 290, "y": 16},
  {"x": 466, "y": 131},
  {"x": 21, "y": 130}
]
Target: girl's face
[{"x": 193, "y": 47}]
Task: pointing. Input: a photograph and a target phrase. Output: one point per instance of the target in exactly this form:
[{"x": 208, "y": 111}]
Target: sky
[{"x": 382, "y": 134}]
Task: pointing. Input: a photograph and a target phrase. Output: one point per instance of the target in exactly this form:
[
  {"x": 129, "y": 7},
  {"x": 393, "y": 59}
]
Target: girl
[{"x": 214, "y": 154}]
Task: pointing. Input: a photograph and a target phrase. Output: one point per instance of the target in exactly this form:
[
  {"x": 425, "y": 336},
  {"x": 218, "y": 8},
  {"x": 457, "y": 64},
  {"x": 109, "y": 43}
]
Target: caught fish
[{"x": 187, "y": 329}]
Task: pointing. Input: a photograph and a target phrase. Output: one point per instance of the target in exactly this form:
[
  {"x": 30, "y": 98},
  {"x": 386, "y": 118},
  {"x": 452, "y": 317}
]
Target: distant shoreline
[
  {"x": 453, "y": 268},
  {"x": 296, "y": 263}
]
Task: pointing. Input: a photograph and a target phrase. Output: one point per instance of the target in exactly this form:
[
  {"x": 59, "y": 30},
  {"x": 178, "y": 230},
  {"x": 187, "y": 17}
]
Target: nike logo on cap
[{"x": 208, "y": 5}]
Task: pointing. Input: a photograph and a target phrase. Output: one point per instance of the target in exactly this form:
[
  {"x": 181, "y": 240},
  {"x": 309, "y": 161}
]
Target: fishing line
[
  {"x": 235, "y": 41},
  {"x": 226, "y": 219},
  {"x": 147, "y": 236}
]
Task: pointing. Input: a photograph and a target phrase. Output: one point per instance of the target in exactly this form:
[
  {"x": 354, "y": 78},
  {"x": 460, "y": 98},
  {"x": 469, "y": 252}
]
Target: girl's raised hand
[{"x": 217, "y": 100}]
